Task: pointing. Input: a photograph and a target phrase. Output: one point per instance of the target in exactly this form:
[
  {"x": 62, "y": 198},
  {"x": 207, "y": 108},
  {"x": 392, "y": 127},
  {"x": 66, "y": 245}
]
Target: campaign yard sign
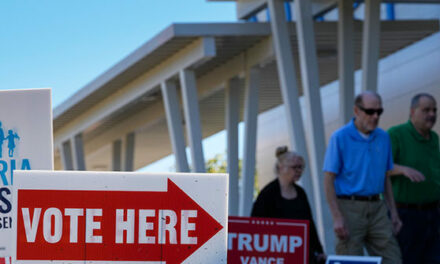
[
  {"x": 254, "y": 240},
  {"x": 25, "y": 144},
  {"x": 338, "y": 259},
  {"x": 120, "y": 217},
  {"x": 6, "y": 260}
]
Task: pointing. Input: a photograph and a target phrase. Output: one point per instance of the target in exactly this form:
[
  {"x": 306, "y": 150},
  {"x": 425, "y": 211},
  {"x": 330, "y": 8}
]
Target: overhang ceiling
[{"x": 248, "y": 8}]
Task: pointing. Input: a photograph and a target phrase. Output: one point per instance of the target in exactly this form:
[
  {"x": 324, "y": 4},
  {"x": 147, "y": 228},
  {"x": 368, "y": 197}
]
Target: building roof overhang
[{"x": 228, "y": 42}]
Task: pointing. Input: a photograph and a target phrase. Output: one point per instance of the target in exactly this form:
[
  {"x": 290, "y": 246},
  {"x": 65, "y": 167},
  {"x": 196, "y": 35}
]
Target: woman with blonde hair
[{"x": 283, "y": 198}]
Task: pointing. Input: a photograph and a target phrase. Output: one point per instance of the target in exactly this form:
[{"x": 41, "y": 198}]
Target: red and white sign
[
  {"x": 72, "y": 217},
  {"x": 267, "y": 240},
  {"x": 6, "y": 260}
]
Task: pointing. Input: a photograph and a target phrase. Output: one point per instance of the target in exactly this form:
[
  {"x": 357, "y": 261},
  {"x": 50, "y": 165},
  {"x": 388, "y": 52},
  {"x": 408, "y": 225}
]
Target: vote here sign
[
  {"x": 25, "y": 144},
  {"x": 254, "y": 240},
  {"x": 72, "y": 217}
]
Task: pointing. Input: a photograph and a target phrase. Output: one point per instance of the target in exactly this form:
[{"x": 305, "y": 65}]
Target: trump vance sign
[{"x": 254, "y": 240}]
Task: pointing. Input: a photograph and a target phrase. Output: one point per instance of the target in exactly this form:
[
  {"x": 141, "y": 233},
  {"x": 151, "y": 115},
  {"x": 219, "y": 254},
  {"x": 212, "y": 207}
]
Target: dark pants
[{"x": 419, "y": 238}]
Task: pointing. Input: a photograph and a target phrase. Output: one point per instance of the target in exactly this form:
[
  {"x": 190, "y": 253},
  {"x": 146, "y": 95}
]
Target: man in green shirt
[{"x": 417, "y": 195}]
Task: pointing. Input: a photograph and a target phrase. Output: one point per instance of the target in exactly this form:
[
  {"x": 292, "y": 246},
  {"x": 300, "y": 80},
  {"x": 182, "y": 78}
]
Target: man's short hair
[
  {"x": 416, "y": 99},
  {"x": 358, "y": 101}
]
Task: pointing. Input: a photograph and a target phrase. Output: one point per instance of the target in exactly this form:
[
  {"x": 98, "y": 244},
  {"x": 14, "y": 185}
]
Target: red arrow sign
[{"x": 111, "y": 225}]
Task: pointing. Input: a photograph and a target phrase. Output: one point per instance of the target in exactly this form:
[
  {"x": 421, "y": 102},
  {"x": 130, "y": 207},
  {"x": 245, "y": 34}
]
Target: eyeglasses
[
  {"x": 297, "y": 167},
  {"x": 370, "y": 111}
]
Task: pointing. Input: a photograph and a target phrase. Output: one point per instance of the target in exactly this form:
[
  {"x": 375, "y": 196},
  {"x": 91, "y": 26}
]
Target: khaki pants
[{"x": 368, "y": 225}]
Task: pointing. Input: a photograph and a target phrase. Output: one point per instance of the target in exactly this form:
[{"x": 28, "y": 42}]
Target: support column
[
  {"x": 289, "y": 87},
  {"x": 117, "y": 155},
  {"x": 78, "y": 151},
  {"x": 129, "y": 152},
  {"x": 315, "y": 122},
  {"x": 250, "y": 141},
  {"x": 175, "y": 127},
  {"x": 192, "y": 118},
  {"x": 371, "y": 45},
  {"x": 345, "y": 60},
  {"x": 66, "y": 155},
  {"x": 232, "y": 105}
]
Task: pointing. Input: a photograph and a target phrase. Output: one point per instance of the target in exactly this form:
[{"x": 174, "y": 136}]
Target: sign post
[
  {"x": 25, "y": 143},
  {"x": 335, "y": 259},
  {"x": 253, "y": 240},
  {"x": 118, "y": 217}
]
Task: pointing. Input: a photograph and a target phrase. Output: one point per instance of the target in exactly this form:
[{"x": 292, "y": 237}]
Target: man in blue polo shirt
[{"x": 357, "y": 161}]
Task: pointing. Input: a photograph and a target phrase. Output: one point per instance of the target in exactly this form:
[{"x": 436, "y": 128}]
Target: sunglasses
[
  {"x": 370, "y": 111},
  {"x": 297, "y": 167}
]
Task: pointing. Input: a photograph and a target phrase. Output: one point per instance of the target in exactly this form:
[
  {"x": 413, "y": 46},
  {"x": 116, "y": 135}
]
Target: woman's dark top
[{"x": 271, "y": 204}]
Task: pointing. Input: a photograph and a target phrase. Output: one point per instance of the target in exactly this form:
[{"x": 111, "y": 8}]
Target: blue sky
[{"x": 65, "y": 44}]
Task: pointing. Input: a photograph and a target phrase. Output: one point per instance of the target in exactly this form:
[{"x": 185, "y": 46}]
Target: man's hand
[
  {"x": 320, "y": 258},
  {"x": 397, "y": 224},
  {"x": 340, "y": 229},
  {"x": 412, "y": 174}
]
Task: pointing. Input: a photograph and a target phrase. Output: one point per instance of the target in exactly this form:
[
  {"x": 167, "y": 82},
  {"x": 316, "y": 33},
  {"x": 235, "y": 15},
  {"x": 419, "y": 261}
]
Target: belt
[
  {"x": 370, "y": 198},
  {"x": 423, "y": 206}
]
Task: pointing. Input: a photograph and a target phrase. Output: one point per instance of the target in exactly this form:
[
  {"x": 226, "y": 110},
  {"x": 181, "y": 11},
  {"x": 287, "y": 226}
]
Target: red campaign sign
[
  {"x": 111, "y": 225},
  {"x": 254, "y": 240},
  {"x": 5, "y": 260}
]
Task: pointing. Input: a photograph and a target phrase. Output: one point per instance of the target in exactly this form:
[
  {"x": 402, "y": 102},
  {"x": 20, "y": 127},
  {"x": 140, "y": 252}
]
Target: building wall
[{"x": 412, "y": 70}]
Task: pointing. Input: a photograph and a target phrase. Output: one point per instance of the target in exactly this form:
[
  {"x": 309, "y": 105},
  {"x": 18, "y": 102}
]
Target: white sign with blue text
[
  {"x": 333, "y": 259},
  {"x": 26, "y": 143}
]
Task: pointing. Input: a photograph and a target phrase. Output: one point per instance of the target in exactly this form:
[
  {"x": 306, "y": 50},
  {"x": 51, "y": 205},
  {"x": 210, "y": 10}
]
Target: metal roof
[{"x": 169, "y": 41}]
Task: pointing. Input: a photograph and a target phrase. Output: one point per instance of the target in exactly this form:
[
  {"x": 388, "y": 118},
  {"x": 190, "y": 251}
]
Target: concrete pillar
[
  {"x": 232, "y": 107},
  {"x": 250, "y": 141},
  {"x": 192, "y": 119},
  {"x": 371, "y": 45},
  {"x": 129, "y": 152},
  {"x": 79, "y": 162},
  {"x": 66, "y": 155},
  {"x": 345, "y": 60},
  {"x": 315, "y": 122},
  {"x": 117, "y": 155},
  {"x": 175, "y": 127},
  {"x": 289, "y": 86}
]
